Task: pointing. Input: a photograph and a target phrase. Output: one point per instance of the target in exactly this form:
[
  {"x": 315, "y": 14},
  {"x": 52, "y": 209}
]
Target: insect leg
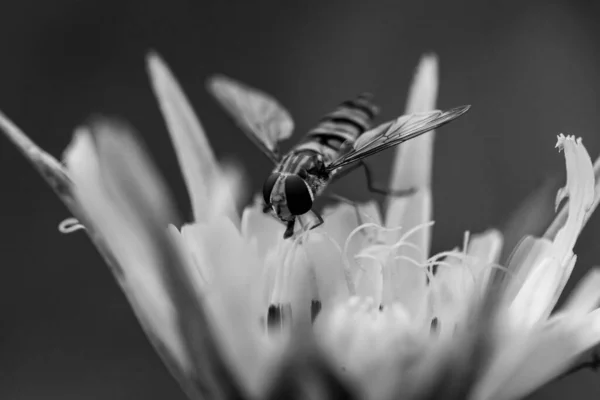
[
  {"x": 350, "y": 202},
  {"x": 388, "y": 192},
  {"x": 319, "y": 222},
  {"x": 289, "y": 231}
]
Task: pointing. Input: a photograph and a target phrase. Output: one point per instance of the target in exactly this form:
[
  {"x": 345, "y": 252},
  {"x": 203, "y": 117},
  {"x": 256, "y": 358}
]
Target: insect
[{"x": 332, "y": 149}]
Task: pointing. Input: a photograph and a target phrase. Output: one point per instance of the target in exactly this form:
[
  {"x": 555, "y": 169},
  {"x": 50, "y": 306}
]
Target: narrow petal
[
  {"x": 486, "y": 246},
  {"x": 413, "y": 161},
  {"x": 406, "y": 279},
  {"x": 533, "y": 302},
  {"x": 234, "y": 296},
  {"x": 306, "y": 373},
  {"x": 127, "y": 203},
  {"x": 264, "y": 228},
  {"x": 412, "y": 170},
  {"x": 525, "y": 257},
  {"x": 193, "y": 149},
  {"x": 326, "y": 260},
  {"x": 461, "y": 280},
  {"x": 412, "y": 165},
  {"x": 340, "y": 221},
  {"x": 368, "y": 279},
  {"x": 532, "y": 217}
]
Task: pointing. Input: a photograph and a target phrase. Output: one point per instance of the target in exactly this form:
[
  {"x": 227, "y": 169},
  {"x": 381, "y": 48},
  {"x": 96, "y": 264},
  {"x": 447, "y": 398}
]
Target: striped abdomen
[{"x": 349, "y": 120}]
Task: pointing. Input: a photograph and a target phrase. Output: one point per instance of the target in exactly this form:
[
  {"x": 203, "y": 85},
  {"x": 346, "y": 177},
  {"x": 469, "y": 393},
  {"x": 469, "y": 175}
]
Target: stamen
[
  {"x": 434, "y": 327},
  {"x": 416, "y": 229},
  {"x": 278, "y": 317},
  {"x": 358, "y": 229},
  {"x": 70, "y": 225},
  {"x": 315, "y": 309}
]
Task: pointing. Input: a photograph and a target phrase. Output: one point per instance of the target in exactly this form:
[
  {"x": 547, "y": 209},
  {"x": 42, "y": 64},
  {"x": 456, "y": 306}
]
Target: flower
[{"x": 356, "y": 308}]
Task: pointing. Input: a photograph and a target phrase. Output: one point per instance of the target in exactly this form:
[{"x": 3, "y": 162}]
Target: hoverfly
[{"x": 337, "y": 145}]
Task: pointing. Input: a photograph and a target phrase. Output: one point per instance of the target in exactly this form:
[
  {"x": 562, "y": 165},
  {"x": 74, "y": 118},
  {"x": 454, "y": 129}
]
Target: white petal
[
  {"x": 413, "y": 161},
  {"x": 194, "y": 152},
  {"x": 326, "y": 260},
  {"x": 486, "y": 246},
  {"x": 261, "y": 227},
  {"x": 368, "y": 279},
  {"x": 550, "y": 352},
  {"x": 234, "y": 296},
  {"x": 126, "y": 202},
  {"x": 412, "y": 165},
  {"x": 141, "y": 278},
  {"x": 534, "y": 301},
  {"x": 200, "y": 276},
  {"x": 290, "y": 280},
  {"x": 461, "y": 280},
  {"x": 369, "y": 345},
  {"x": 340, "y": 221},
  {"x": 405, "y": 280},
  {"x": 525, "y": 257}
]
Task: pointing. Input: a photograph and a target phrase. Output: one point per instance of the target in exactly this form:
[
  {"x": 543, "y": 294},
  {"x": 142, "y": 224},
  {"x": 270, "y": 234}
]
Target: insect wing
[
  {"x": 395, "y": 132},
  {"x": 260, "y": 116}
]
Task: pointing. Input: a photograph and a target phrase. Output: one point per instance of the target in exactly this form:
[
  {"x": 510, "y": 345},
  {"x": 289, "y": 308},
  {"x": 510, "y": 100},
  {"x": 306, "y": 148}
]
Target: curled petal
[
  {"x": 542, "y": 267},
  {"x": 579, "y": 189}
]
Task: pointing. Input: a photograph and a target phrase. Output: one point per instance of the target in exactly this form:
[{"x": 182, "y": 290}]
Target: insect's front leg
[
  {"x": 385, "y": 191},
  {"x": 289, "y": 231},
  {"x": 319, "y": 222},
  {"x": 350, "y": 202}
]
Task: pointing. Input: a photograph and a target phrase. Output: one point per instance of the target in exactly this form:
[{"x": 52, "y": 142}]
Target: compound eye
[
  {"x": 268, "y": 187},
  {"x": 298, "y": 195}
]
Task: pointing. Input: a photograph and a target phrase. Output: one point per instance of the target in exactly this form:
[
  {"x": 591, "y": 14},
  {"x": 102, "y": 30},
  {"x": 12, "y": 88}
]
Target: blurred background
[{"x": 530, "y": 70}]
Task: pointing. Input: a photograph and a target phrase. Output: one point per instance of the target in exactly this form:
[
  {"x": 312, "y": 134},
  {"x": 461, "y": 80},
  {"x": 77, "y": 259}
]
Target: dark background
[{"x": 531, "y": 70}]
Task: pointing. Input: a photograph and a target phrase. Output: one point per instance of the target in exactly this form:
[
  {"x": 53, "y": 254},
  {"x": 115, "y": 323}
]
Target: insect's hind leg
[{"x": 385, "y": 191}]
